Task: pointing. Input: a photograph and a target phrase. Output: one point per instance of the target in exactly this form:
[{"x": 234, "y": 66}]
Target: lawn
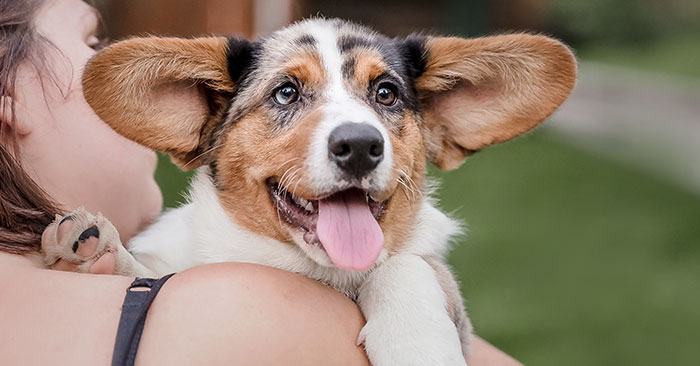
[
  {"x": 574, "y": 260},
  {"x": 570, "y": 259}
]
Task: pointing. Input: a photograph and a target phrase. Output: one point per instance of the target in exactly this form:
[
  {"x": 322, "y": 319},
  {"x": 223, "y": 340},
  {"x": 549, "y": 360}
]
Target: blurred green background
[{"x": 583, "y": 245}]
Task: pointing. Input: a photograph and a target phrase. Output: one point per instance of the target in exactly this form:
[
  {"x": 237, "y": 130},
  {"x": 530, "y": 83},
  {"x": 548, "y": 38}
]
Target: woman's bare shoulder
[
  {"x": 255, "y": 315},
  {"x": 218, "y": 312}
]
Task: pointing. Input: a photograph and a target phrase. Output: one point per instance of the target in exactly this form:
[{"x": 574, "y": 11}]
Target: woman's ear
[
  {"x": 14, "y": 116},
  {"x": 166, "y": 93},
  {"x": 483, "y": 91}
]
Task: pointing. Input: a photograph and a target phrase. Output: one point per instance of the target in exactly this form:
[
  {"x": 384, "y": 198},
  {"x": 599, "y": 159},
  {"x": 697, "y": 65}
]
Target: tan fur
[
  {"x": 369, "y": 65},
  {"x": 163, "y": 93},
  {"x": 409, "y": 158},
  {"x": 478, "y": 92},
  {"x": 307, "y": 69},
  {"x": 253, "y": 152}
]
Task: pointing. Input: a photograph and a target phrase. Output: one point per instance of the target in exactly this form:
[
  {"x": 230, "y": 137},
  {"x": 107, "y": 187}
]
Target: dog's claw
[{"x": 361, "y": 338}]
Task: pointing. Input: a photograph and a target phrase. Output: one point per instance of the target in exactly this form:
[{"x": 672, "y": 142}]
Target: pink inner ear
[
  {"x": 515, "y": 82},
  {"x": 181, "y": 109},
  {"x": 470, "y": 114}
]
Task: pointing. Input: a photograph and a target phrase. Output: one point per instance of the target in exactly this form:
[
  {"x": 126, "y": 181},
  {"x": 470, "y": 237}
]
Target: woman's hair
[{"x": 25, "y": 209}]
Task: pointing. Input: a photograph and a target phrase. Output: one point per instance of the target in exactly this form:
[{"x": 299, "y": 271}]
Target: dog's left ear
[
  {"x": 483, "y": 91},
  {"x": 166, "y": 93}
]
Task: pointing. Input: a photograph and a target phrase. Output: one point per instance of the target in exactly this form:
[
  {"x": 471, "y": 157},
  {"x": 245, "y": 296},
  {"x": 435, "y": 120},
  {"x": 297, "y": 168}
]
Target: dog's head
[{"x": 318, "y": 134}]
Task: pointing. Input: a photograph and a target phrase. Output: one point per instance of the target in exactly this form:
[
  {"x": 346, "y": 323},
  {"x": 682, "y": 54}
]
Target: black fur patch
[
  {"x": 213, "y": 171},
  {"x": 406, "y": 57},
  {"x": 305, "y": 40},
  {"x": 92, "y": 231},
  {"x": 414, "y": 54},
  {"x": 239, "y": 55},
  {"x": 348, "y": 42},
  {"x": 348, "y": 68},
  {"x": 89, "y": 232}
]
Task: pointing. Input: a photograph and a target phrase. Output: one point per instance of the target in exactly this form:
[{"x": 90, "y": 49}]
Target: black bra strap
[{"x": 139, "y": 297}]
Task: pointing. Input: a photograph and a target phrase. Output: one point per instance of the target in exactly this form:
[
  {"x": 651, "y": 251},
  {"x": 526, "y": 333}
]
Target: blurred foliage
[
  {"x": 569, "y": 259},
  {"x": 677, "y": 55},
  {"x": 623, "y": 21}
]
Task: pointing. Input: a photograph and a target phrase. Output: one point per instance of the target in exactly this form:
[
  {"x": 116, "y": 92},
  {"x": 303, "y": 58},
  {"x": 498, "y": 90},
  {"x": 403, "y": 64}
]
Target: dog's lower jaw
[
  {"x": 317, "y": 254},
  {"x": 312, "y": 250}
]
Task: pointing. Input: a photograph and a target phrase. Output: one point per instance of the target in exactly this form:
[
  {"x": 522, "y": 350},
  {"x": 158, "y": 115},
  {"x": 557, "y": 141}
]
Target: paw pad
[{"x": 80, "y": 242}]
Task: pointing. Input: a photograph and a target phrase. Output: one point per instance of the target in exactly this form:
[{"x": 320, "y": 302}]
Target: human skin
[{"x": 219, "y": 313}]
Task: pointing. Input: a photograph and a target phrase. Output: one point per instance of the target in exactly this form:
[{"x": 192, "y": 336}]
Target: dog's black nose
[{"x": 356, "y": 148}]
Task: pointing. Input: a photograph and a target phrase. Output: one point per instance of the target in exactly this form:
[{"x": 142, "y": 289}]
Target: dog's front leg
[{"x": 407, "y": 318}]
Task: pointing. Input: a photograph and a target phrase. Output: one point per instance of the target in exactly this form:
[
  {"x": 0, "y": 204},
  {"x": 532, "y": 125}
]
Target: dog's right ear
[{"x": 166, "y": 93}]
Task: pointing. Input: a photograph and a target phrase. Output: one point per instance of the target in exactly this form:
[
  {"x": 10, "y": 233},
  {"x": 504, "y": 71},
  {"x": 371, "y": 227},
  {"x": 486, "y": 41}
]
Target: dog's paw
[
  {"x": 81, "y": 242},
  {"x": 406, "y": 345}
]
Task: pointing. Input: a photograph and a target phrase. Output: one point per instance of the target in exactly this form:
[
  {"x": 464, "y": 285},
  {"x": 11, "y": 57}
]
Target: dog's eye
[
  {"x": 386, "y": 94},
  {"x": 286, "y": 94}
]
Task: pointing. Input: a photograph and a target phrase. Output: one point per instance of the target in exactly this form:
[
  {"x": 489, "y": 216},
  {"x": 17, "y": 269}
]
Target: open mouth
[{"x": 344, "y": 223}]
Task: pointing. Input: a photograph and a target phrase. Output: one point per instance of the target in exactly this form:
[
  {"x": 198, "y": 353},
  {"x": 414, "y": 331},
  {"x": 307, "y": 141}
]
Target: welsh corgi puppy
[{"x": 311, "y": 147}]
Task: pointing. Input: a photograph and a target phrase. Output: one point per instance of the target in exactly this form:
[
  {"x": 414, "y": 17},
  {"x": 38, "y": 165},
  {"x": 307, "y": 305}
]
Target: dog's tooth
[
  {"x": 303, "y": 203},
  {"x": 309, "y": 207},
  {"x": 306, "y": 204}
]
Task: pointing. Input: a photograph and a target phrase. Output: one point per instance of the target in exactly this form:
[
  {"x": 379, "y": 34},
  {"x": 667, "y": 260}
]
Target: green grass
[
  {"x": 676, "y": 55},
  {"x": 173, "y": 182},
  {"x": 571, "y": 259}
]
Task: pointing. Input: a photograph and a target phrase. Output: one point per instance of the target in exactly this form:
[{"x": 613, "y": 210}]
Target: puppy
[{"x": 311, "y": 147}]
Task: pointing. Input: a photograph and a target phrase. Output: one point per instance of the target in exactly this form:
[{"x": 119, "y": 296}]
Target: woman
[{"x": 56, "y": 155}]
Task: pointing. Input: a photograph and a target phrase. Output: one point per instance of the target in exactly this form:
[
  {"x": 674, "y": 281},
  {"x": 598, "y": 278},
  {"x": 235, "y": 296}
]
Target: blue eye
[{"x": 286, "y": 94}]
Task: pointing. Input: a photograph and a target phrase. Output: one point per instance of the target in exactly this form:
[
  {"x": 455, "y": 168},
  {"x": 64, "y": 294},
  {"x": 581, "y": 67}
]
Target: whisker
[
  {"x": 279, "y": 218},
  {"x": 405, "y": 191},
  {"x": 413, "y": 184},
  {"x": 291, "y": 177},
  {"x": 204, "y": 153},
  {"x": 281, "y": 182},
  {"x": 288, "y": 161},
  {"x": 298, "y": 180},
  {"x": 409, "y": 183}
]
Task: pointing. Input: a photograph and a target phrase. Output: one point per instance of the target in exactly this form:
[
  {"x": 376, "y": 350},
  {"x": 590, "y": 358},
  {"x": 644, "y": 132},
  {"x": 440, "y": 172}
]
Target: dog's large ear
[
  {"x": 478, "y": 92},
  {"x": 166, "y": 93}
]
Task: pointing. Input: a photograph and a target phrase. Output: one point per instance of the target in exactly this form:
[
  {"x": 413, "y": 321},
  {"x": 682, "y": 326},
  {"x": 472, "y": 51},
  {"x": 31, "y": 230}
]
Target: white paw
[
  {"x": 80, "y": 242},
  {"x": 394, "y": 343}
]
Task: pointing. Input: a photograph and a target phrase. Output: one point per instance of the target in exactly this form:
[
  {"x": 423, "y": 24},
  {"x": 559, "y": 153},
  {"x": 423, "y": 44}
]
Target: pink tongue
[{"x": 348, "y": 231}]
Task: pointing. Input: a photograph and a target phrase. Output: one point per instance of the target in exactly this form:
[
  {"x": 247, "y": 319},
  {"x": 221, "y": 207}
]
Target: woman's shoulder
[
  {"x": 256, "y": 314},
  {"x": 217, "y": 312}
]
